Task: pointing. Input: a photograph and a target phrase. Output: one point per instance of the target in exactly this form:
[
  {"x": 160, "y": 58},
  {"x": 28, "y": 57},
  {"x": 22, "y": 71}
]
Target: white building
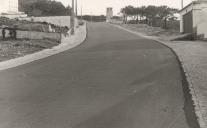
[
  {"x": 109, "y": 14},
  {"x": 194, "y": 19},
  {"x": 9, "y": 8}
]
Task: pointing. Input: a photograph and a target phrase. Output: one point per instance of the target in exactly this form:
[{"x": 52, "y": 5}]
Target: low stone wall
[
  {"x": 13, "y": 16},
  {"x": 37, "y": 35},
  {"x": 34, "y": 35}
]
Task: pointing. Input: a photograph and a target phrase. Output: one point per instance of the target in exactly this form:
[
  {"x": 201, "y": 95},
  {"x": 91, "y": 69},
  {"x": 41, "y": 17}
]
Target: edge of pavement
[
  {"x": 66, "y": 44},
  {"x": 192, "y": 108}
]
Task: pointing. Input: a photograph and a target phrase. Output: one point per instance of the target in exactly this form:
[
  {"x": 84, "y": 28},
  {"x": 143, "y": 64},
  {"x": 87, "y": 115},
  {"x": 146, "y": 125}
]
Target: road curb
[
  {"x": 66, "y": 44},
  {"x": 189, "y": 91}
]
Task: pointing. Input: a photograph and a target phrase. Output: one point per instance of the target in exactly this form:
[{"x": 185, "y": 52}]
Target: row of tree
[
  {"x": 149, "y": 14},
  {"x": 44, "y": 8},
  {"x": 93, "y": 18}
]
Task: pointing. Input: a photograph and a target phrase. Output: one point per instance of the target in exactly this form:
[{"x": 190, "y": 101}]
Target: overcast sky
[{"x": 98, "y": 7}]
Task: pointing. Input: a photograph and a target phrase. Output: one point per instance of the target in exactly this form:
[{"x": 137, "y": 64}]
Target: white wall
[
  {"x": 202, "y": 22},
  {"x": 199, "y": 14},
  {"x": 57, "y": 20},
  {"x": 9, "y": 6},
  {"x": 4, "y": 6},
  {"x": 14, "y": 5},
  {"x": 199, "y": 17},
  {"x": 109, "y": 13}
]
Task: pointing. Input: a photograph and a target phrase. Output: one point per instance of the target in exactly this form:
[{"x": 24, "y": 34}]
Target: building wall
[
  {"x": 4, "y": 6},
  {"x": 109, "y": 13},
  {"x": 199, "y": 10},
  {"x": 187, "y": 10},
  {"x": 202, "y": 23},
  {"x": 57, "y": 20},
  {"x": 14, "y": 5},
  {"x": 9, "y": 6},
  {"x": 199, "y": 14}
]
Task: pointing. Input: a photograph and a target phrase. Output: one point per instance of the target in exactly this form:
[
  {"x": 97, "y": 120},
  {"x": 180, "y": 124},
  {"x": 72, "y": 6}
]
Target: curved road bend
[{"x": 113, "y": 80}]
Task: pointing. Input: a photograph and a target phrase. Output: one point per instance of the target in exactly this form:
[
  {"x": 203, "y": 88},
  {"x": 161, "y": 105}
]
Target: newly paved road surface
[{"x": 113, "y": 80}]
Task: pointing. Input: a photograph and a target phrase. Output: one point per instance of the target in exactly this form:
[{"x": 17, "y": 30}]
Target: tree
[
  {"x": 128, "y": 11},
  {"x": 152, "y": 14},
  {"x": 44, "y": 8},
  {"x": 165, "y": 13}
]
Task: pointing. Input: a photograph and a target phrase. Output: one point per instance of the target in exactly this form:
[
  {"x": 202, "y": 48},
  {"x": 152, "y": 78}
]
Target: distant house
[
  {"x": 109, "y": 14},
  {"x": 9, "y": 8},
  {"x": 194, "y": 19}
]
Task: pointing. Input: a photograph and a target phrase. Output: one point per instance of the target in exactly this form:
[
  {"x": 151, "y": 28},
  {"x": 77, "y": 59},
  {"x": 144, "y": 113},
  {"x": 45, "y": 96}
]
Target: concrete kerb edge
[
  {"x": 86, "y": 35},
  {"x": 192, "y": 92},
  {"x": 77, "y": 39}
]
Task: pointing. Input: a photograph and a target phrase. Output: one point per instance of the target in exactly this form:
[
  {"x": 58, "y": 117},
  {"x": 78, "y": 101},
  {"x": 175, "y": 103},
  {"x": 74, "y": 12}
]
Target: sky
[{"x": 98, "y": 7}]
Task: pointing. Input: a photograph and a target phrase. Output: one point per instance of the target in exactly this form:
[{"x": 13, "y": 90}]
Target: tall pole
[
  {"x": 91, "y": 17},
  {"x": 76, "y": 8},
  {"x": 81, "y": 13},
  {"x": 181, "y": 4},
  {"x": 124, "y": 16},
  {"x": 72, "y": 19},
  {"x": 137, "y": 11}
]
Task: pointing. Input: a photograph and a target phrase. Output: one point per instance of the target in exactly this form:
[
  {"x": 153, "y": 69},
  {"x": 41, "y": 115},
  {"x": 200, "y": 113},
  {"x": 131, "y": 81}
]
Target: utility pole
[
  {"x": 72, "y": 19},
  {"x": 91, "y": 17},
  {"x": 76, "y": 8},
  {"x": 81, "y": 13},
  {"x": 124, "y": 16},
  {"x": 181, "y": 4},
  {"x": 137, "y": 11}
]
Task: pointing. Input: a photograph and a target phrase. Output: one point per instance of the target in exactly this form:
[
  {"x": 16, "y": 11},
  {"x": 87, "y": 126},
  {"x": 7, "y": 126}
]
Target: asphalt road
[{"x": 113, "y": 80}]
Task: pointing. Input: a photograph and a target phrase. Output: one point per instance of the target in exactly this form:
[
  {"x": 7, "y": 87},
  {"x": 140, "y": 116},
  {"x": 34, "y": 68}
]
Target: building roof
[{"x": 193, "y": 3}]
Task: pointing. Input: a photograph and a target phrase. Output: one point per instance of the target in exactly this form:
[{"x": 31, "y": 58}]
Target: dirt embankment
[{"x": 166, "y": 34}]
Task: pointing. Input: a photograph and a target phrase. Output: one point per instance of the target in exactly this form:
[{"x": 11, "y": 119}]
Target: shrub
[{"x": 80, "y": 23}]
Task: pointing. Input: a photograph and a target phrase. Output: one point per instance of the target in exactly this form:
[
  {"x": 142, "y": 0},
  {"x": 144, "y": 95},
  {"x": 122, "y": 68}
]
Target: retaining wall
[
  {"x": 57, "y": 20},
  {"x": 34, "y": 35}
]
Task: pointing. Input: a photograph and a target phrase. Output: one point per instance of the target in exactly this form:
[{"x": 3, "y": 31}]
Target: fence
[{"x": 33, "y": 35}]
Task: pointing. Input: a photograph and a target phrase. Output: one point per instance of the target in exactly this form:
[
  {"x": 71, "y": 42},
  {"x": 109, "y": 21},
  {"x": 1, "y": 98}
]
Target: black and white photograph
[{"x": 103, "y": 63}]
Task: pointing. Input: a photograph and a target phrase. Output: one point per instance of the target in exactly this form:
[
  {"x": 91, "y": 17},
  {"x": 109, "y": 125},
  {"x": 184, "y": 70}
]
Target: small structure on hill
[
  {"x": 9, "y": 8},
  {"x": 194, "y": 19},
  {"x": 109, "y": 14}
]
